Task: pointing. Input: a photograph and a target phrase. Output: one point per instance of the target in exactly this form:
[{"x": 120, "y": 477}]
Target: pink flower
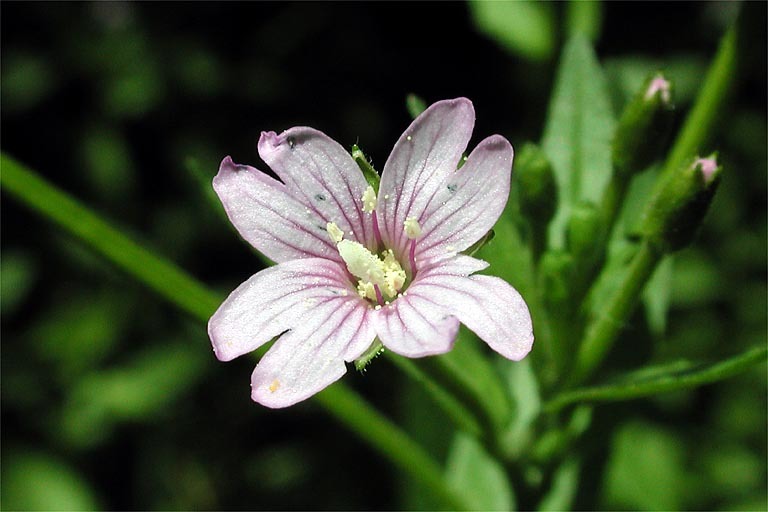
[{"x": 353, "y": 265}]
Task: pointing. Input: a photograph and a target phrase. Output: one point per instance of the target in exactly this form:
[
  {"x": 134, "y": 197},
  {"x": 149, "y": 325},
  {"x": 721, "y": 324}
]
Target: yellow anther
[
  {"x": 412, "y": 228},
  {"x": 334, "y": 232},
  {"x": 369, "y": 200},
  {"x": 274, "y": 386}
]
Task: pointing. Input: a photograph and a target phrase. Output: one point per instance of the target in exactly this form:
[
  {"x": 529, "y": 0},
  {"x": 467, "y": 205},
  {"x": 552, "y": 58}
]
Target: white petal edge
[
  {"x": 469, "y": 201},
  {"x": 310, "y": 357},
  {"x": 272, "y": 301},
  {"x": 487, "y": 305},
  {"x": 320, "y": 174},
  {"x": 268, "y": 217},
  {"x": 425, "y": 153}
]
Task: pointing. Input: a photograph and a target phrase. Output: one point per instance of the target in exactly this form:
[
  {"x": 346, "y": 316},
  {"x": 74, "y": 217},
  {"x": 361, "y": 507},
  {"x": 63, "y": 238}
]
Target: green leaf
[
  {"x": 646, "y": 469},
  {"x": 577, "y": 136},
  {"x": 415, "y": 105},
  {"x": 137, "y": 391},
  {"x": 478, "y": 476},
  {"x": 524, "y": 28},
  {"x": 19, "y": 272},
  {"x": 657, "y": 296},
  {"x": 654, "y": 380},
  {"x": 565, "y": 483},
  {"x": 35, "y": 481},
  {"x": 526, "y": 404}
]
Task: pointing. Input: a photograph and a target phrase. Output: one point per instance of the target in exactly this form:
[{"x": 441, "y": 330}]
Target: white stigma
[
  {"x": 361, "y": 262},
  {"x": 369, "y": 200},
  {"x": 412, "y": 228},
  {"x": 334, "y": 232}
]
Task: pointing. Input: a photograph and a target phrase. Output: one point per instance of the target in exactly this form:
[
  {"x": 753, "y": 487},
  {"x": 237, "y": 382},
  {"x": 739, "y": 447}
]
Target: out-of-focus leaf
[
  {"x": 108, "y": 163},
  {"x": 478, "y": 476},
  {"x": 134, "y": 392},
  {"x": 35, "y": 481},
  {"x": 415, "y": 105},
  {"x": 77, "y": 333},
  {"x": 466, "y": 372},
  {"x": 18, "y": 271},
  {"x": 524, "y": 28},
  {"x": 577, "y": 136},
  {"x": 696, "y": 280},
  {"x": 26, "y": 80},
  {"x": 585, "y": 18},
  {"x": 565, "y": 483},
  {"x": 508, "y": 254},
  {"x": 526, "y": 403},
  {"x": 654, "y": 380},
  {"x": 656, "y": 297},
  {"x": 646, "y": 469}
]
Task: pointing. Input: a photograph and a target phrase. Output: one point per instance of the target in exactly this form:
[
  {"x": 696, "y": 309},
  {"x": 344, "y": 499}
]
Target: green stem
[
  {"x": 163, "y": 277},
  {"x": 686, "y": 378},
  {"x": 602, "y": 332},
  {"x": 698, "y": 126},
  {"x": 182, "y": 290},
  {"x": 704, "y": 115}
]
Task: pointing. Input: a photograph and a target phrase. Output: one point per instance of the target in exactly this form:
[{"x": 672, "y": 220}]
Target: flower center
[{"x": 380, "y": 276}]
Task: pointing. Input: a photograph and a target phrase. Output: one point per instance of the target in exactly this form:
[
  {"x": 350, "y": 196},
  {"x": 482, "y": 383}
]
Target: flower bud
[
  {"x": 537, "y": 189},
  {"x": 556, "y": 272},
  {"x": 584, "y": 234},
  {"x": 643, "y": 127},
  {"x": 679, "y": 204}
]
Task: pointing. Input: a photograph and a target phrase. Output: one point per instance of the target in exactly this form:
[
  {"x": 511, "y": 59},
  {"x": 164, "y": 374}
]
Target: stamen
[
  {"x": 412, "y": 258},
  {"x": 334, "y": 232},
  {"x": 369, "y": 200},
  {"x": 412, "y": 228}
]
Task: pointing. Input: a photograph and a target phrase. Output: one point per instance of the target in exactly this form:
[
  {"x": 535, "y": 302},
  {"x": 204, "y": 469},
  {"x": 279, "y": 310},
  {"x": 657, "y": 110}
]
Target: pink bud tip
[
  {"x": 708, "y": 168},
  {"x": 659, "y": 85}
]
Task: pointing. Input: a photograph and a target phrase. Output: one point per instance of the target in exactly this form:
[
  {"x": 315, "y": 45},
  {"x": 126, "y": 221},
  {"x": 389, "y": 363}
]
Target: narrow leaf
[
  {"x": 661, "y": 379},
  {"x": 478, "y": 476},
  {"x": 577, "y": 137}
]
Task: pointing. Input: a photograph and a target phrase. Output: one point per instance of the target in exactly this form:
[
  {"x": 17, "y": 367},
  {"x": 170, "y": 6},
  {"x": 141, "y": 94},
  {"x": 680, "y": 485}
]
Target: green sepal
[
  {"x": 371, "y": 176},
  {"x": 371, "y": 353},
  {"x": 643, "y": 129},
  {"x": 472, "y": 249}
]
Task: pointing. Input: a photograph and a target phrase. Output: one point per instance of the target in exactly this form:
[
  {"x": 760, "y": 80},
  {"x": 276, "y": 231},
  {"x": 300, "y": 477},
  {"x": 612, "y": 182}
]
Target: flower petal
[
  {"x": 322, "y": 176},
  {"x": 416, "y": 326},
  {"x": 310, "y": 357},
  {"x": 269, "y": 217},
  {"x": 274, "y": 300},
  {"x": 487, "y": 305},
  {"x": 469, "y": 201},
  {"x": 424, "y": 155}
]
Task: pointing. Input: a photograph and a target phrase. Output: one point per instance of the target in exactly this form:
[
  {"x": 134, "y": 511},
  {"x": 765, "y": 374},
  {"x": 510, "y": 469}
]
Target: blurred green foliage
[{"x": 109, "y": 396}]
